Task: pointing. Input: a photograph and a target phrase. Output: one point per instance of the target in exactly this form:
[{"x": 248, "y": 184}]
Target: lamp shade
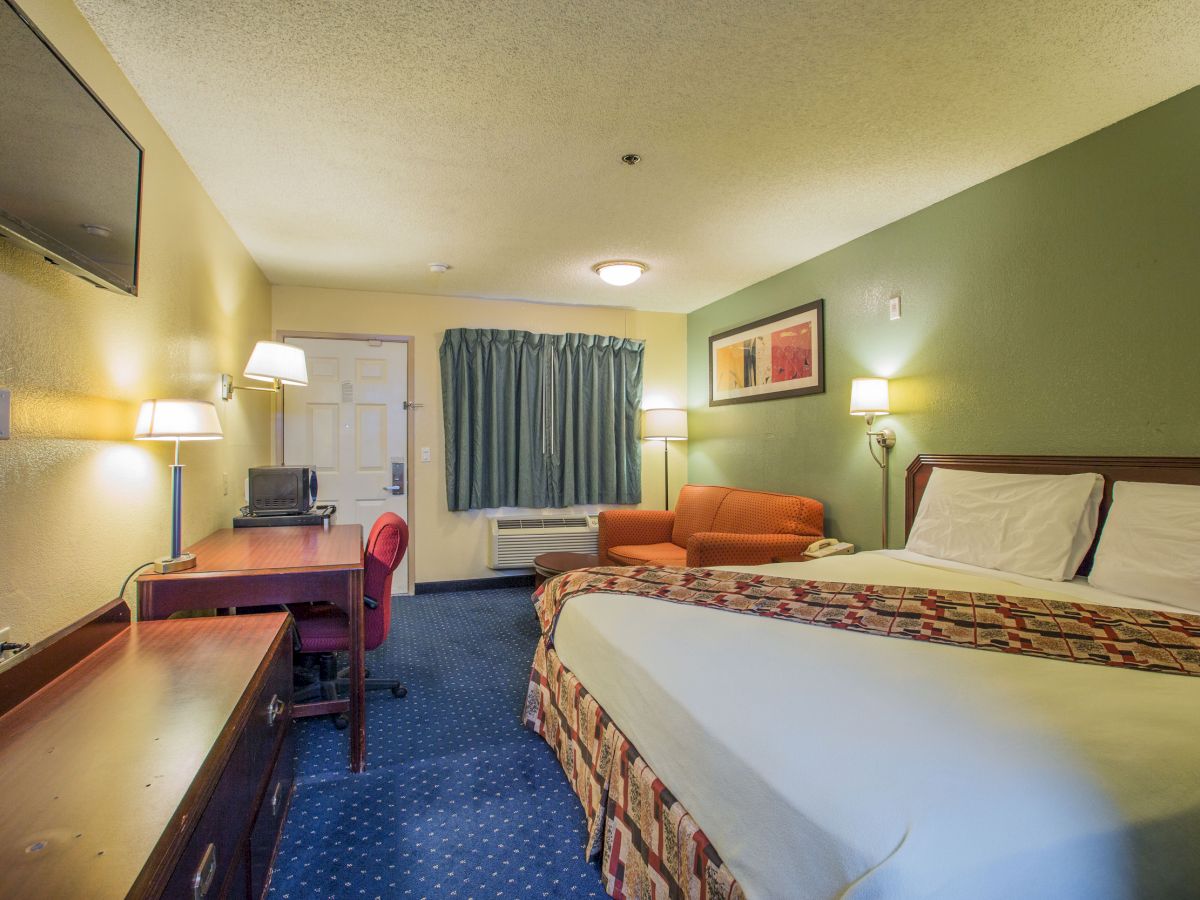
[
  {"x": 619, "y": 272},
  {"x": 177, "y": 420},
  {"x": 869, "y": 397},
  {"x": 271, "y": 360},
  {"x": 665, "y": 424}
]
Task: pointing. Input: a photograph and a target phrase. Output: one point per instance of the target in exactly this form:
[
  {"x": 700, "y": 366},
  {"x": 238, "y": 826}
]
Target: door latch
[{"x": 398, "y": 481}]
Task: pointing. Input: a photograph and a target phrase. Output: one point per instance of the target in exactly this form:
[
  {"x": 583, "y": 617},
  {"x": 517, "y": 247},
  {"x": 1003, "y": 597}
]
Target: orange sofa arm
[
  {"x": 622, "y": 527},
  {"x": 713, "y": 548}
]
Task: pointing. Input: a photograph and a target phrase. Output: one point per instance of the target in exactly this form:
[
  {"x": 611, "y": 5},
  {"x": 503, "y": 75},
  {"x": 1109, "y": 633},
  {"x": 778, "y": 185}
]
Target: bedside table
[{"x": 547, "y": 565}]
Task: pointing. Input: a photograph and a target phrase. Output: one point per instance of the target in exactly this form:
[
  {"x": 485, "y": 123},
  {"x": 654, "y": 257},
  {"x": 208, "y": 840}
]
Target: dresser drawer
[
  {"x": 267, "y": 827},
  {"x": 271, "y": 717},
  {"x": 214, "y": 862}
]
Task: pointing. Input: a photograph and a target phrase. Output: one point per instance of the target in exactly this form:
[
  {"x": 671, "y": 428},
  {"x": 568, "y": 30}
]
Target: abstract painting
[{"x": 780, "y": 356}]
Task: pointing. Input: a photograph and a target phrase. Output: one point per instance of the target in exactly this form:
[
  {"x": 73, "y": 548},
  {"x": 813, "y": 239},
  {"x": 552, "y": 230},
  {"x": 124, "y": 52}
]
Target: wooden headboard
[{"x": 1163, "y": 469}]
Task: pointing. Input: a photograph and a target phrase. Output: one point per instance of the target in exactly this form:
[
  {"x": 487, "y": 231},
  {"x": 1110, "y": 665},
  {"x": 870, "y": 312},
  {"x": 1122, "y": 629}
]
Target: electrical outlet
[
  {"x": 5, "y": 408},
  {"x": 894, "y": 307},
  {"x": 426, "y": 454}
]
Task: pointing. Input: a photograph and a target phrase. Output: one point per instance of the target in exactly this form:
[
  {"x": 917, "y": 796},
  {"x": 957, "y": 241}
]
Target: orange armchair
[{"x": 712, "y": 526}]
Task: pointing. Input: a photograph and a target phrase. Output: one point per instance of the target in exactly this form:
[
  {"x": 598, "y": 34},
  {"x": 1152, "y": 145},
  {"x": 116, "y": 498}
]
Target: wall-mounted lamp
[
  {"x": 177, "y": 420},
  {"x": 665, "y": 425},
  {"x": 270, "y": 361},
  {"x": 869, "y": 398}
]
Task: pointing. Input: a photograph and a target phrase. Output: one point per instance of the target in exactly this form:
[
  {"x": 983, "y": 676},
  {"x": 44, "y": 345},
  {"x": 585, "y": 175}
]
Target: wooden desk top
[
  {"x": 280, "y": 549},
  {"x": 96, "y": 766}
]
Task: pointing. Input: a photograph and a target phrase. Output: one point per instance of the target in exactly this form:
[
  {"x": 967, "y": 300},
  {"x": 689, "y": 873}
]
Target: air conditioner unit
[{"x": 515, "y": 540}]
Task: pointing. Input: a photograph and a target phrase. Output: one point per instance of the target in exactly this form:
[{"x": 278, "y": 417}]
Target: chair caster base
[
  {"x": 341, "y": 722},
  {"x": 399, "y": 691}
]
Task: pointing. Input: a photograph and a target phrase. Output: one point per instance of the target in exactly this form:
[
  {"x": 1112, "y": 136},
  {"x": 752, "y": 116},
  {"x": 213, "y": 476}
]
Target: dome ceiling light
[{"x": 619, "y": 272}]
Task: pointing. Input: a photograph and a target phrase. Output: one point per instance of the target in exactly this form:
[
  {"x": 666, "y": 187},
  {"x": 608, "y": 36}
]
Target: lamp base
[{"x": 165, "y": 565}]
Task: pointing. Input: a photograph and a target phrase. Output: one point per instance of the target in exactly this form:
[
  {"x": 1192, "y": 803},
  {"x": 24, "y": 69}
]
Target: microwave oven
[{"x": 282, "y": 490}]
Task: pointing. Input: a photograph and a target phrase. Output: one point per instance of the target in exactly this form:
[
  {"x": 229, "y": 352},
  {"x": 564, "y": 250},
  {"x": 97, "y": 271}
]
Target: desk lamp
[
  {"x": 665, "y": 425},
  {"x": 869, "y": 398},
  {"x": 177, "y": 420}
]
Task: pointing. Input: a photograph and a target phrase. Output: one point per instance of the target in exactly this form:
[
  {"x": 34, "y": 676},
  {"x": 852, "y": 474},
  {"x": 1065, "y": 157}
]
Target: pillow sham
[
  {"x": 1035, "y": 525},
  {"x": 1150, "y": 546}
]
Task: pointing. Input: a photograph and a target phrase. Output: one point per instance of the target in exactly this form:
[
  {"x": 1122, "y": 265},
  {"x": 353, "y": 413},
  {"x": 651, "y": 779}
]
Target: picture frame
[{"x": 780, "y": 356}]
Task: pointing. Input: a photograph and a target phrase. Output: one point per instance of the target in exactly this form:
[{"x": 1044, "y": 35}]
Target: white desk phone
[{"x": 828, "y": 547}]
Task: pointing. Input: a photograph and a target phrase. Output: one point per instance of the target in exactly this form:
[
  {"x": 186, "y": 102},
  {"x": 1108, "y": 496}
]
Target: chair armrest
[
  {"x": 622, "y": 527},
  {"x": 714, "y": 548}
]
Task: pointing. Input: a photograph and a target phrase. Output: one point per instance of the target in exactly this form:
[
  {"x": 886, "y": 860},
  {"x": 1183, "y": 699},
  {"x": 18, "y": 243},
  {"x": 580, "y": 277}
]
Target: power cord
[{"x": 129, "y": 577}]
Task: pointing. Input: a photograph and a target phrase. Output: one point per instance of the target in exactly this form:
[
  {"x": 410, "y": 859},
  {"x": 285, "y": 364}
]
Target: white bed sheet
[{"x": 823, "y": 763}]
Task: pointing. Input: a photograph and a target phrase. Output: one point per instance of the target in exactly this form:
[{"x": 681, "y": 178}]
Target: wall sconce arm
[{"x": 228, "y": 387}]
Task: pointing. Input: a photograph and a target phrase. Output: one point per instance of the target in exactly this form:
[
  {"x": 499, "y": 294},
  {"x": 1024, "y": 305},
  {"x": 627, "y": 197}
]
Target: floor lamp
[
  {"x": 665, "y": 425},
  {"x": 177, "y": 420},
  {"x": 869, "y": 398}
]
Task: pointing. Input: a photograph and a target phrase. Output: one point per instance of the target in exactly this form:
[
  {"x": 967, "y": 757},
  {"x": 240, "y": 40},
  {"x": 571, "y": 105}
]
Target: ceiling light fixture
[
  {"x": 439, "y": 268},
  {"x": 619, "y": 272}
]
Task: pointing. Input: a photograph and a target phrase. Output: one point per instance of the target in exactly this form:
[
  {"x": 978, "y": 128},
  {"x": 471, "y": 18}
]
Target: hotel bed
[{"x": 726, "y": 754}]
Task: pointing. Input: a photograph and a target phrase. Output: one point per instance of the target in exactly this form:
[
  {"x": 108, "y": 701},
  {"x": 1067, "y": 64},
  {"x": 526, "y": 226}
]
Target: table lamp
[
  {"x": 177, "y": 420},
  {"x": 665, "y": 425},
  {"x": 869, "y": 398}
]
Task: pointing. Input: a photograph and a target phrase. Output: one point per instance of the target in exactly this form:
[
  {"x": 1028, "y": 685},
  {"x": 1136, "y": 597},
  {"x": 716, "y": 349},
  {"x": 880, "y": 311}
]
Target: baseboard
[{"x": 474, "y": 584}]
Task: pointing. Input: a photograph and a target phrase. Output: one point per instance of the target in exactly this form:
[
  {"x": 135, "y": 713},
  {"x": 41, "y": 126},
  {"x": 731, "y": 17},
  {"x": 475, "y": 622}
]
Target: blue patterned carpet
[{"x": 458, "y": 800}]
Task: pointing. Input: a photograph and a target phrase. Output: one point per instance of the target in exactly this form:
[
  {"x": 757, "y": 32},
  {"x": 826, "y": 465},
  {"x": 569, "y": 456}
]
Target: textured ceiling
[{"x": 352, "y": 143}]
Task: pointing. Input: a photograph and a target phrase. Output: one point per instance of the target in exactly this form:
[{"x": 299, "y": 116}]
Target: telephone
[{"x": 828, "y": 547}]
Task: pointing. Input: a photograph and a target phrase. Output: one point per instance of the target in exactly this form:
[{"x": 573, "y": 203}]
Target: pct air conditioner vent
[{"x": 514, "y": 541}]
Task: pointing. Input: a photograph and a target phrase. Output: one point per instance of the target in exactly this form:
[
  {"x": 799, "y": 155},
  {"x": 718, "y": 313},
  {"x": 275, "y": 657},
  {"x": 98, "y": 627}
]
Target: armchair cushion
[
  {"x": 695, "y": 510},
  {"x": 662, "y": 554},
  {"x": 632, "y": 527},
  {"x": 715, "y": 548},
  {"x": 759, "y": 512}
]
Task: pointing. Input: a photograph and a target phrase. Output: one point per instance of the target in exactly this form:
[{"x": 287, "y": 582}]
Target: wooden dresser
[{"x": 147, "y": 759}]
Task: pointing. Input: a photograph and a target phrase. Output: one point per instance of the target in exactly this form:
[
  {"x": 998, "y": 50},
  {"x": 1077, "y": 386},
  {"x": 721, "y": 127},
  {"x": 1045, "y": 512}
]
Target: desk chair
[{"x": 322, "y": 629}]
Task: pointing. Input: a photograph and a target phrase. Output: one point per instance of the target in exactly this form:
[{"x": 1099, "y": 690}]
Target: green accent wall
[{"x": 1054, "y": 309}]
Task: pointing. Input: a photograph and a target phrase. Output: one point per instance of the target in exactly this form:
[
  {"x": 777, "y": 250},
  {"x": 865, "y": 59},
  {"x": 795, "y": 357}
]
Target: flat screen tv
[{"x": 70, "y": 174}]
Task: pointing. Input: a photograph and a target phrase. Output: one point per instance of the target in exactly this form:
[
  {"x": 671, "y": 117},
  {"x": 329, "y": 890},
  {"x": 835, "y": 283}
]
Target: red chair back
[{"x": 386, "y": 546}]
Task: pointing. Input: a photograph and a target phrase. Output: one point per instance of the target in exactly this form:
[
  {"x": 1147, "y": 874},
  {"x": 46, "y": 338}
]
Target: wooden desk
[
  {"x": 261, "y": 566},
  {"x": 154, "y": 753}
]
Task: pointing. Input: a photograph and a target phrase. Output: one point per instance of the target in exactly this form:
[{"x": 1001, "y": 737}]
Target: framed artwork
[{"x": 780, "y": 356}]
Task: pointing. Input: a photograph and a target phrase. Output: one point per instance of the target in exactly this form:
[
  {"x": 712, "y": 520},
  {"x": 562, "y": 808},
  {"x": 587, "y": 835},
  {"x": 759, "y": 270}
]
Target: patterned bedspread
[{"x": 1150, "y": 640}]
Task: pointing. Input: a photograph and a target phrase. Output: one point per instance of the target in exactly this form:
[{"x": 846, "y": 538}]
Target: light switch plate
[
  {"x": 426, "y": 456},
  {"x": 5, "y": 409},
  {"x": 894, "y": 307}
]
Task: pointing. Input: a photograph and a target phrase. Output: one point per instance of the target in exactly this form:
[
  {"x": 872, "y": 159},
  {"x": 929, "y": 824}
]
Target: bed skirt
[{"x": 648, "y": 844}]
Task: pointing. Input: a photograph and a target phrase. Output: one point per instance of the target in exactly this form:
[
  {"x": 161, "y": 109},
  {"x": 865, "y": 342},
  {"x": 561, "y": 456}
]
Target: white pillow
[
  {"x": 1150, "y": 546},
  {"x": 1035, "y": 525}
]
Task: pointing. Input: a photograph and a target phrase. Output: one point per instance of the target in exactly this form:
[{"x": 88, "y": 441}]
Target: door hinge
[{"x": 409, "y": 404}]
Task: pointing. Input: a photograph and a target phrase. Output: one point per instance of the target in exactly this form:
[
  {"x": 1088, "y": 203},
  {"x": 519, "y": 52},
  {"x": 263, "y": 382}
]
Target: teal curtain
[{"x": 540, "y": 420}]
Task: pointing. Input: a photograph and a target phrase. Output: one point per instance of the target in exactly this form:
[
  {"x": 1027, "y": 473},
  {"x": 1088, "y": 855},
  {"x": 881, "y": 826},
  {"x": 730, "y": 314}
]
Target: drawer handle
[
  {"x": 275, "y": 709},
  {"x": 205, "y": 874},
  {"x": 275, "y": 795}
]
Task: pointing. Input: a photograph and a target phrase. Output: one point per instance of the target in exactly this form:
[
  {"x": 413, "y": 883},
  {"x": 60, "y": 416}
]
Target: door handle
[{"x": 393, "y": 489}]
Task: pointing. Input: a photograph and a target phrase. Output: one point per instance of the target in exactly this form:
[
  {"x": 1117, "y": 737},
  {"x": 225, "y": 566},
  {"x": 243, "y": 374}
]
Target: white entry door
[{"x": 350, "y": 423}]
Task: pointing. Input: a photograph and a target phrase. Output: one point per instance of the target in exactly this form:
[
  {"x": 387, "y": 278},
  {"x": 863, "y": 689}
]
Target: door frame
[{"x": 410, "y": 438}]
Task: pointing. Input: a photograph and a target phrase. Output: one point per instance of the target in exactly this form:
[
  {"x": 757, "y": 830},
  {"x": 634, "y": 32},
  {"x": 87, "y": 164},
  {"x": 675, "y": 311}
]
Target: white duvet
[{"x": 823, "y": 763}]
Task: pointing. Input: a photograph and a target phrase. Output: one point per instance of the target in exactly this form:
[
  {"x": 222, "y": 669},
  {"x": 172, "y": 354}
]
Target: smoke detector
[{"x": 439, "y": 268}]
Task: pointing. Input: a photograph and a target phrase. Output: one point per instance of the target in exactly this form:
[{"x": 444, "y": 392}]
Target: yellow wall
[
  {"x": 80, "y": 503},
  {"x": 452, "y": 545}
]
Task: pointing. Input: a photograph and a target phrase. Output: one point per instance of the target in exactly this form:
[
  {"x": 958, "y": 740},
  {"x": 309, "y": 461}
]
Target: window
[{"x": 540, "y": 420}]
